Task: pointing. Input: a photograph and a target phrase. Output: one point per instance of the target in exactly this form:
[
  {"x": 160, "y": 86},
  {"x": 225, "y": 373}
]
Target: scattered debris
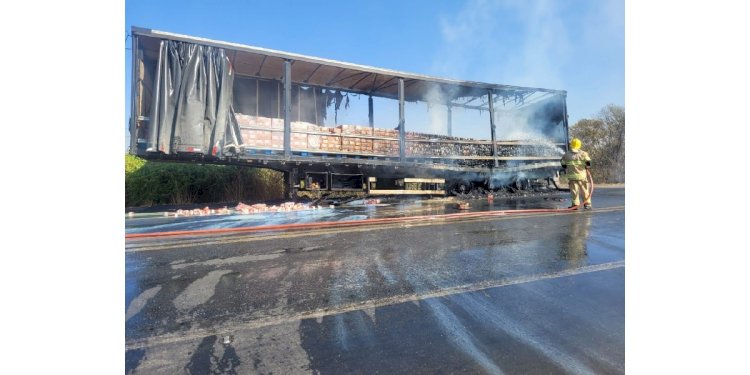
[
  {"x": 205, "y": 211},
  {"x": 508, "y": 192},
  {"x": 284, "y": 207},
  {"x": 243, "y": 208}
]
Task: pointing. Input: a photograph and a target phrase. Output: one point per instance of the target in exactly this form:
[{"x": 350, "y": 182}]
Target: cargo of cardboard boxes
[{"x": 268, "y": 133}]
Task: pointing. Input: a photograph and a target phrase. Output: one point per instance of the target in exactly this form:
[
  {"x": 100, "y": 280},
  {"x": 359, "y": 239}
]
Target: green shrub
[
  {"x": 149, "y": 183},
  {"x": 133, "y": 163}
]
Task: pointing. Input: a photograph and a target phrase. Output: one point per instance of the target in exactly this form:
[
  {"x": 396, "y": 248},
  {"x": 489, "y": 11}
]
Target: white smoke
[
  {"x": 539, "y": 43},
  {"x": 437, "y": 112},
  {"x": 478, "y": 46}
]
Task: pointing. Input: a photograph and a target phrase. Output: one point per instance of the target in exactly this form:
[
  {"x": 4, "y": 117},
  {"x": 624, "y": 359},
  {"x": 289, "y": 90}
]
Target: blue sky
[{"x": 576, "y": 45}]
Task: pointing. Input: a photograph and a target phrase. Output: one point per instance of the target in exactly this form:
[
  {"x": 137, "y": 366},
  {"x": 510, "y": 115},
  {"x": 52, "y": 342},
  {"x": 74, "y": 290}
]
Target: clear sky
[{"x": 575, "y": 45}]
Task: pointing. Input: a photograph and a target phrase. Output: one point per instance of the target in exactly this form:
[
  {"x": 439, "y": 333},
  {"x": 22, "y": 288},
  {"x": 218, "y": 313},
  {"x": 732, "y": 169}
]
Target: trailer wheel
[
  {"x": 463, "y": 187},
  {"x": 458, "y": 187}
]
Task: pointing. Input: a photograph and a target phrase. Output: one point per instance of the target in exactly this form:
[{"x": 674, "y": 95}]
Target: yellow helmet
[{"x": 575, "y": 144}]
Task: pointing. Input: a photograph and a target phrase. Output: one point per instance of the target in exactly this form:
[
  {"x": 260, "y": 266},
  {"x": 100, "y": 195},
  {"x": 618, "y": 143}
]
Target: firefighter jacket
[{"x": 575, "y": 163}]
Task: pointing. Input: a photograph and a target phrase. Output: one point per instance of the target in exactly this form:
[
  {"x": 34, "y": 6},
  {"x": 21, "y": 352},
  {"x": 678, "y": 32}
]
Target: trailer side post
[
  {"x": 492, "y": 128},
  {"x": 133, "y": 90},
  {"x": 294, "y": 180},
  {"x": 370, "y": 114},
  {"x": 315, "y": 104},
  {"x": 450, "y": 120},
  {"x": 287, "y": 109},
  {"x": 401, "y": 130},
  {"x": 299, "y": 103},
  {"x": 291, "y": 179},
  {"x": 287, "y": 183},
  {"x": 155, "y": 118}
]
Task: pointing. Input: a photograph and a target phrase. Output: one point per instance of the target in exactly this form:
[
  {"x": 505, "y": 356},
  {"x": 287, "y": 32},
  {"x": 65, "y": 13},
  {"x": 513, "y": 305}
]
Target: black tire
[
  {"x": 464, "y": 187},
  {"x": 460, "y": 187}
]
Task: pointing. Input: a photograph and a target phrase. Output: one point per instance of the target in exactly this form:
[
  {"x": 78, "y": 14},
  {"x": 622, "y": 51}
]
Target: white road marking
[{"x": 137, "y": 304}]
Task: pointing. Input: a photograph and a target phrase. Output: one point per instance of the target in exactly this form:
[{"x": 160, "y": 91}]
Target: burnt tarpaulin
[{"x": 191, "y": 107}]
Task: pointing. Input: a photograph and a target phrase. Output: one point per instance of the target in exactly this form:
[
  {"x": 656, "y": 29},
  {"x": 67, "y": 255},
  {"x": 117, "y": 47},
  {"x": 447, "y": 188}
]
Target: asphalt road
[{"x": 515, "y": 294}]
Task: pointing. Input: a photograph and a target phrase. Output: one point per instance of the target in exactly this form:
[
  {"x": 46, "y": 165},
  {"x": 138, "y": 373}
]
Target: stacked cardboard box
[
  {"x": 264, "y": 132},
  {"x": 387, "y": 133},
  {"x": 356, "y": 145},
  {"x": 330, "y": 143},
  {"x": 375, "y": 145},
  {"x": 261, "y": 132},
  {"x": 358, "y": 130},
  {"x": 259, "y": 122},
  {"x": 299, "y": 141}
]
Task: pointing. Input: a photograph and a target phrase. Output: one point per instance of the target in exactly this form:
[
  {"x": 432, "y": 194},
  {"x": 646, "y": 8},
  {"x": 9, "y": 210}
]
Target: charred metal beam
[
  {"x": 492, "y": 127},
  {"x": 468, "y": 106},
  {"x": 287, "y": 109},
  {"x": 482, "y": 107},
  {"x": 470, "y": 100}
]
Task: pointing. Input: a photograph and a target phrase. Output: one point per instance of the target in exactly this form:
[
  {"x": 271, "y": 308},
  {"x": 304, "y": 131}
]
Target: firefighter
[{"x": 576, "y": 164}]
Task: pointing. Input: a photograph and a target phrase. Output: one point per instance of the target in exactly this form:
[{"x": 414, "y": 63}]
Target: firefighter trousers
[{"x": 578, "y": 191}]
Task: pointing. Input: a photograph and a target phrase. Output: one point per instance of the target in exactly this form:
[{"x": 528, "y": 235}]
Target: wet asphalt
[
  {"x": 153, "y": 222},
  {"x": 513, "y": 295}
]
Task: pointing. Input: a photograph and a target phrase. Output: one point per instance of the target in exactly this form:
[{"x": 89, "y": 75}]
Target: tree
[{"x": 603, "y": 138}]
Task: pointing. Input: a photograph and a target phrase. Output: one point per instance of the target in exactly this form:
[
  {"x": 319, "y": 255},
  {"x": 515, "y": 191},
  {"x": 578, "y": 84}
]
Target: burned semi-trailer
[{"x": 207, "y": 101}]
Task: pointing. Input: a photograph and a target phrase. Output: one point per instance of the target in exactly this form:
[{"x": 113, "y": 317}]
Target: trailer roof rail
[{"x": 355, "y": 78}]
